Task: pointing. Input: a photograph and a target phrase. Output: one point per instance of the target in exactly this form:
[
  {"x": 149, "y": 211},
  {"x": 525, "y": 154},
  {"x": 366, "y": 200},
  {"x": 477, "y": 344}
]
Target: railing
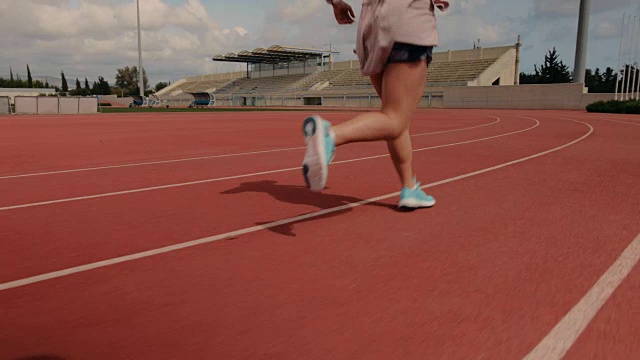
[{"x": 353, "y": 99}]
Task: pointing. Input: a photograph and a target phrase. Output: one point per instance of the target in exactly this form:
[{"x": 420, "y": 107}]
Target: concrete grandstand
[
  {"x": 285, "y": 76},
  {"x": 308, "y": 73}
]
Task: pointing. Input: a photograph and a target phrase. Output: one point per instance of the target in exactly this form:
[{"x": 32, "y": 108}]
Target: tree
[
  {"x": 627, "y": 80},
  {"x": 11, "y": 80},
  {"x": 530, "y": 78},
  {"x": 554, "y": 71},
  {"x": 65, "y": 86},
  {"x": 161, "y": 85},
  {"x": 103, "y": 87},
  {"x": 609, "y": 81},
  {"x": 29, "y": 78},
  {"x": 127, "y": 79},
  {"x": 592, "y": 80}
]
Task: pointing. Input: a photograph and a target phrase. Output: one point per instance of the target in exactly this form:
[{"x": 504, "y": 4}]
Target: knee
[{"x": 398, "y": 124}]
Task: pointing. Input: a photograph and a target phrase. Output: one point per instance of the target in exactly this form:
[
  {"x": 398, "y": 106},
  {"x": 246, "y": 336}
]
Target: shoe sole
[
  {"x": 314, "y": 166},
  {"x": 415, "y": 204}
]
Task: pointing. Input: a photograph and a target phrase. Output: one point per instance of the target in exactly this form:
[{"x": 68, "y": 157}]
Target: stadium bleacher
[
  {"x": 471, "y": 67},
  {"x": 262, "y": 85}
]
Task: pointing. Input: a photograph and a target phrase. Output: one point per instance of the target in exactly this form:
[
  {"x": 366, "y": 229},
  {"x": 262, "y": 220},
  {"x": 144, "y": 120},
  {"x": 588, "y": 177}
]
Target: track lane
[
  {"x": 613, "y": 332},
  {"x": 171, "y": 215},
  {"x": 113, "y": 181},
  {"x": 487, "y": 277},
  {"x": 422, "y": 132},
  {"x": 31, "y": 144}
]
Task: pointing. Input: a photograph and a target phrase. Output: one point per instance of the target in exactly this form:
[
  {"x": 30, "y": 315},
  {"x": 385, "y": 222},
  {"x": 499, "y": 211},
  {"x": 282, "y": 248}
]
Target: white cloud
[
  {"x": 93, "y": 38},
  {"x": 571, "y": 7},
  {"x": 465, "y": 22},
  {"x": 605, "y": 30},
  {"x": 469, "y": 5},
  {"x": 296, "y": 10},
  {"x": 238, "y": 30}
]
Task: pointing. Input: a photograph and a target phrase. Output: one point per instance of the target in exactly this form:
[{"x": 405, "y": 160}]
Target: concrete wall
[
  {"x": 5, "y": 105},
  {"x": 504, "y": 68},
  {"x": 591, "y": 98},
  {"x": 544, "y": 97},
  {"x": 471, "y": 54},
  {"x": 220, "y": 76},
  {"x": 13, "y": 92},
  {"x": 116, "y": 101},
  {"x": 55, "y": 105},
  {"x": 49, "y": 105}
]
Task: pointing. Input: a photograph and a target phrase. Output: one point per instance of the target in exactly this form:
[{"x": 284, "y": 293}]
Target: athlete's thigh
[
  {"x": 402, "y": 87},
  {"x": 376, "y": 80}
]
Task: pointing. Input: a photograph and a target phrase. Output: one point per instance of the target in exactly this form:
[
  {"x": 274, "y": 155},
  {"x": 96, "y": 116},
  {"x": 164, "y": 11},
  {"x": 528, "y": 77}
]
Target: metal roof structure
[{"x": 273, "y": 55}]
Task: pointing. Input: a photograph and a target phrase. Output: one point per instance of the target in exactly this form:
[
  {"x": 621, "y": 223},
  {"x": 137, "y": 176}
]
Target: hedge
[{"x": 615, "y": 106}]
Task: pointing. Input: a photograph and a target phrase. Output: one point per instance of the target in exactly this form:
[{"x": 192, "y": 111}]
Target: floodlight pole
[
  {"x": 624, "y": 17},
  {"x": 140, "y": 72},
  {"x": 635, "y": 66},
  {"x": 627, "y": 69},
  {"x": 581, "y": 43}
]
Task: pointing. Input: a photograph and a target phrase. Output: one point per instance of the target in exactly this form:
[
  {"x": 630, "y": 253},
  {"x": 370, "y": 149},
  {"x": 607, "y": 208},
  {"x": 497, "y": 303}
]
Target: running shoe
[
  {"x": 415, "y": 198},
  {"x": 320, "y": 152}
]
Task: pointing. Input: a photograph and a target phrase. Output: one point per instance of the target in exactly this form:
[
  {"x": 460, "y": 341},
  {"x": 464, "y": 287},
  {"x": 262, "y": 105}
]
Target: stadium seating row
[{"x": 439, "y": 72}]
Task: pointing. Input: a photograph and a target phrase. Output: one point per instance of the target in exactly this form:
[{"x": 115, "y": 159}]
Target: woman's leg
[{"x": 400, "y": 88}]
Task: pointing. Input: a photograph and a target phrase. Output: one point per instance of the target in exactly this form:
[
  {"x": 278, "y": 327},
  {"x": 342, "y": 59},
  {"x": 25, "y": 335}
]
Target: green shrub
[{"x": 615, "y": 107}]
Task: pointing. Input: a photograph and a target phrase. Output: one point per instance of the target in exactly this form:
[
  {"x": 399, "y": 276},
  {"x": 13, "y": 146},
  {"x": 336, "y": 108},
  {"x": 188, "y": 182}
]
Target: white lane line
[
  {"x": 618, "y": 121},
  {"x": 232, "y": 234},
  {"x": 150, "y": 163},
  {"x": 209, "y": 157},
  {"x": 627, "y": 117},
  {"x": 87, "y": 197},
  {"x": 556, "y": 344},
  {"x": 463, "y": 129}
]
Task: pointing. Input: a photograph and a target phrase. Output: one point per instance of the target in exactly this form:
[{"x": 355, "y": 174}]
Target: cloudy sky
[{"x": 91, "y": 38}]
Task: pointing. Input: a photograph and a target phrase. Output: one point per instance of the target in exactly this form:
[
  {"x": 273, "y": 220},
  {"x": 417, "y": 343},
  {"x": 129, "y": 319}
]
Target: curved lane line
[
  {"x": 166, "y": 249},
  {"x": 208, "y": 157},
  {"x": 124, "y": 192}
]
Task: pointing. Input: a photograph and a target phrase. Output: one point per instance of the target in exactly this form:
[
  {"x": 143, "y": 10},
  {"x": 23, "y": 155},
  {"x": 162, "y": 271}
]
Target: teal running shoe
[
  {"x": 320, "y": 152},
  {"x": 415, "y": 198}
]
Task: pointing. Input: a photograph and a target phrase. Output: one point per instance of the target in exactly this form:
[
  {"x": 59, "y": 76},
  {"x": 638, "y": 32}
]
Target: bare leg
[{"x": 400, "y": 88}]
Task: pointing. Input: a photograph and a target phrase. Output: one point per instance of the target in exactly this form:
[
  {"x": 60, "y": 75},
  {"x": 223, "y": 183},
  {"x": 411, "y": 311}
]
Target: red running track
[{"x": 503, "y": 258}]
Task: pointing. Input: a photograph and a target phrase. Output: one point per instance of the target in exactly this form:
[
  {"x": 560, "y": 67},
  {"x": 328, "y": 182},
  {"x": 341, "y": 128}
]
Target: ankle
[
  {"x": 410, "y": 183},
  {"x": 332, "y": 134}
]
